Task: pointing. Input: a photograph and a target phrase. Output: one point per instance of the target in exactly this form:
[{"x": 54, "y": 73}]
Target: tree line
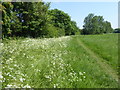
[
  {"x": 35, "y": 19},
  {"x": 96, "y": 25}
]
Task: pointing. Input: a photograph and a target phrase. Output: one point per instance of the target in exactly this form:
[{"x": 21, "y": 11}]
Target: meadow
[{"x": 59, "y": 62}]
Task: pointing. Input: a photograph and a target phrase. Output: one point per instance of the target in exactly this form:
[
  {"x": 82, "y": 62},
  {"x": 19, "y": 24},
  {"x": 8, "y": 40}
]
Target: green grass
[
  {"x": 106, "y": 46},
  {"x": 51, "y": 63}
]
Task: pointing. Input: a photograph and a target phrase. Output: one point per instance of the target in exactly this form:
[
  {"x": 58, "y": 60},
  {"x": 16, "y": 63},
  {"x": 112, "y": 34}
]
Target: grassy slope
[{"x": 49, "y": 63}]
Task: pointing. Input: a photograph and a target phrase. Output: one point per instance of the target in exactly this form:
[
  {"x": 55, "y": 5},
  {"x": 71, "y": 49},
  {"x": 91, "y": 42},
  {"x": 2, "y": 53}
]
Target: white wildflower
[
  {"x": 84, "y": 77},
  {"x": 27, "y": 86},
  {"x": 22, "y": 79},
  {"x": 9, "y": 86},
  {"x": 80, "y": 73}
]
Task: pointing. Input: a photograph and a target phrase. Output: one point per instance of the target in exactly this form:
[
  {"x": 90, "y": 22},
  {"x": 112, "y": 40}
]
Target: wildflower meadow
[{"x": 52, "y": 63}]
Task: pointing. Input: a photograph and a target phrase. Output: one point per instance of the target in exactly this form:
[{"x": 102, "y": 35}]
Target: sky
[{"x": 79, "y": 10}]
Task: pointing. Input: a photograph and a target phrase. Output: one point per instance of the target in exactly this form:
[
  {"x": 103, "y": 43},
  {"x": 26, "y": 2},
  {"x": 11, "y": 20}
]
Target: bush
[
  {"x": 51, "y": 31},
  {"x": 61, "y": 32},
  {"x": 117, "y": 30}
]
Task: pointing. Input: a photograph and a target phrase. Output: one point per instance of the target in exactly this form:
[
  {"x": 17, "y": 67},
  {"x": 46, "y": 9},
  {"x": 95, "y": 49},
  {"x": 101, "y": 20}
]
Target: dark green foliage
[
  {"x": 32, "y": 16},
  {"x": 25, "y": 19},
  {"x": 96, "y": 25},
  {"x": 34, "y": 19},
  {"x": 6, "y": 17},
  {"x": 0, "y": 20},
  {"x": 74, "y": 29},
  {"x": 87, "y": 28},
  {"x": 62, "y": 20},
  {"x": 52, "y": 31},
  {"x": 108, "y": 28},
  {"x": 117, "y": 30}
]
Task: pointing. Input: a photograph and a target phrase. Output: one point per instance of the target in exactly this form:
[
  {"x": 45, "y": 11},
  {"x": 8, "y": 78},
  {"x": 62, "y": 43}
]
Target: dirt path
[{"x": 100, "y": 60}]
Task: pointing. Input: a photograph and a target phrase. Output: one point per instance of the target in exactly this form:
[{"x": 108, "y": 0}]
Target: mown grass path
[{"x": 100, "y": 61}]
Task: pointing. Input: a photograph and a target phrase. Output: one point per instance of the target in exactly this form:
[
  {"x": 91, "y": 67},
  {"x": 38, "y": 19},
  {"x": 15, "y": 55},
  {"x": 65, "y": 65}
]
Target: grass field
[
  {"x": 106, "y": 46},
  {"x": 59, "y": 62}
]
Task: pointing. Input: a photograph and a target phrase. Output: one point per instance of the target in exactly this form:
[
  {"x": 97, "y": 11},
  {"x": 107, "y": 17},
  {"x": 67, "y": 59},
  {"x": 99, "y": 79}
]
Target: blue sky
[{"x": 79, "y": 10}]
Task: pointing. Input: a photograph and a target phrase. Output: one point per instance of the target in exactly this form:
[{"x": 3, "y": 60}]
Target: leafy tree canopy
[{"x": 96, "y": 25}]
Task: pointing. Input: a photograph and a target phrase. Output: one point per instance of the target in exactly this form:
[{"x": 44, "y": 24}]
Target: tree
[
  {"x": 25, "y": 18},
  {"x": 87, "y": 27},
  {"x": 96, "y": 25},
  {"x": 33, "y": 16},
  {"x": 1, "y": 20},
  {"x": 75, "y": 30},
  {"x": 6, "y": 17},
  {"x": 117, "y": 30},
  {"x": 63, "y": 21},
  {"x": 108, "y": 28},
  {"x": 59, "y": 18},
  {"x": 34, "y": 19}
]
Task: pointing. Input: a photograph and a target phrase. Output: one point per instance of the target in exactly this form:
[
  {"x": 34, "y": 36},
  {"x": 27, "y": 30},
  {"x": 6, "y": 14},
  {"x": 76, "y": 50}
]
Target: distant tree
[
  {"x": 87, "y": 27},
  {"x": 108, "y": 28},
  {"x": 117, "y": 30},
  {"x": 96, "y": 25}
]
